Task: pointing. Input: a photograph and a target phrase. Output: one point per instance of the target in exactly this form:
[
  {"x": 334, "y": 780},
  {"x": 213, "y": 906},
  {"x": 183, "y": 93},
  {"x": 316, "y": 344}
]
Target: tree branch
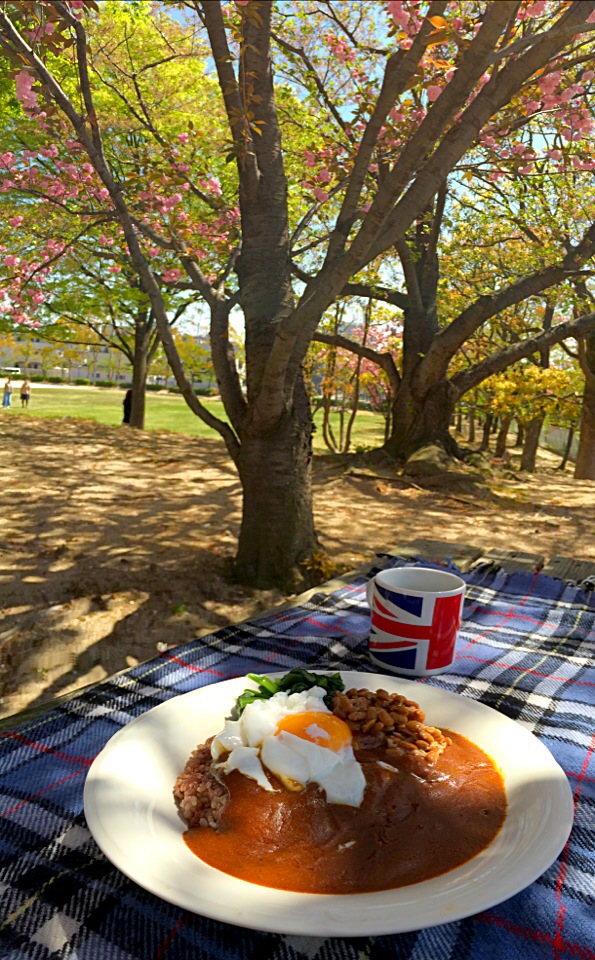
[
  {"x": 467, "y": 379},
  {"x": 383, "y": 360}
]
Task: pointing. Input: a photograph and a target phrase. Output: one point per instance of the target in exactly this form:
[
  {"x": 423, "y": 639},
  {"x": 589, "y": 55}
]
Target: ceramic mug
[{"x": 415, "y": 618}]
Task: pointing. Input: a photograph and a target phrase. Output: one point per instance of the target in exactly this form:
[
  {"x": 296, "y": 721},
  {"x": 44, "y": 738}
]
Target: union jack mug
[{"x": 415, "y": 618}]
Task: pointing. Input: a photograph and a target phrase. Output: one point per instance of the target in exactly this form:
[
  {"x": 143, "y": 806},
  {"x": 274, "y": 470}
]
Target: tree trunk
[
  {"x": 520, "y": 435},
  {"x": 419, "y": 420},
  {"x": 585, "y": 458},
  {"x": 139, "y": 382},
  {"x": 502, "y": 437},
  {"x": 487, "y": 429},
  {"x": 459, "y": 421},
  {"x": 277, "y": 519},
  {"x": 567, "y": 449},
  {"x": 532, "y": 434},
  {"x": 471, "y": 436}
]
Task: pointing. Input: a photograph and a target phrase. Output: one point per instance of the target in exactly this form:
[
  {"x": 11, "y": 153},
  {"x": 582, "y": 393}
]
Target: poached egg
[{"x": 299, "y": 740}]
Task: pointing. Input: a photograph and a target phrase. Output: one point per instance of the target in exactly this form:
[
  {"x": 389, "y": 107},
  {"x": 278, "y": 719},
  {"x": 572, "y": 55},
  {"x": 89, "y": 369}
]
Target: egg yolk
[{"x": 324, "y": 729}]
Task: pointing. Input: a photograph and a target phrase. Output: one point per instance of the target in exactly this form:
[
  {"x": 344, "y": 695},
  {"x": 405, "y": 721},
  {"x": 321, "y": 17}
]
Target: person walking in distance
[
  {"x": 127, "y": 402},
  {"x": 25, "y": 393},
  {"x": 7, "y": 393}
]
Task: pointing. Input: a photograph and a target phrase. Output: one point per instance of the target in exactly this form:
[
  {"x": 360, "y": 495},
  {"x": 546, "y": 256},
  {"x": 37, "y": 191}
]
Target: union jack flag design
[{"x": 414, "y": 634}]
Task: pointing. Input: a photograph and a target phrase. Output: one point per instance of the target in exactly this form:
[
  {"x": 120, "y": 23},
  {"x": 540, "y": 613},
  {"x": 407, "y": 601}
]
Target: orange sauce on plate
[{"x": 416, "y": 822}]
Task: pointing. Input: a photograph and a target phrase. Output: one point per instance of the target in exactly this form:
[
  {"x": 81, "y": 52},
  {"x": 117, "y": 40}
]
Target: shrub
[
  {"x": 81, "y": 381},
  {"x": 105, "y": 383},
  {"x": 55, "y": 380}
]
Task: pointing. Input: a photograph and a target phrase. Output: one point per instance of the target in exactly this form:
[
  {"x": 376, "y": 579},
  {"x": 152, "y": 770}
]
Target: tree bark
[
  {"x": 277, "y": 519},
  {"x": 531, "y": 444},
  {"x": 139, "y": 382},
  {"x": 567, "y": 449},
  {"x": 585, "y": 459},
  {"x": 471, "y": 436},
  {"x": 502, "y": 436},
  {"x": 487, "y": 430},
  {"x": 419, "y": 420}
]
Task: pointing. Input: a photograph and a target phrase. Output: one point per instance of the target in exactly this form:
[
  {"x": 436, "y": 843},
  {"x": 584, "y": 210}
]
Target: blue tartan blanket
[{"x": 526, "y": 648}]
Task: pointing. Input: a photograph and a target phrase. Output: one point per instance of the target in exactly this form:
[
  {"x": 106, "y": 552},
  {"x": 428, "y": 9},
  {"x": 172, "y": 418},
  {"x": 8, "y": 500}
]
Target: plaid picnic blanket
[{"x": 526, "y": 648}]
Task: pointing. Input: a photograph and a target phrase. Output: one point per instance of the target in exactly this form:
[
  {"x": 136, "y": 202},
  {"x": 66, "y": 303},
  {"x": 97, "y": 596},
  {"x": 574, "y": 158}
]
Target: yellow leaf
[{"x": 438, "y": 22}]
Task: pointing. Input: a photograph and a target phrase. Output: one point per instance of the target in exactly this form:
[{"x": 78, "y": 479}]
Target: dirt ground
[{"x": 115, "y": 544}]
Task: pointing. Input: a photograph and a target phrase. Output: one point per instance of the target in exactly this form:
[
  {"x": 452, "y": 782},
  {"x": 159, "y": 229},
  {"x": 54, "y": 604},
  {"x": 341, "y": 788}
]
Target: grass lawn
[{"x": 164, "y": 411}]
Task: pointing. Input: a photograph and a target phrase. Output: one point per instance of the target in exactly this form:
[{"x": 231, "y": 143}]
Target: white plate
[{"x": 131, "y": 813}]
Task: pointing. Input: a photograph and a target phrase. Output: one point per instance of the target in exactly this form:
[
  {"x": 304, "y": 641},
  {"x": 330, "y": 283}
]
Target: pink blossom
[
  {"x": 38, "y": 297},
  {"x": 310, "y": 159},
  {"x": 115, "y": 268},
  {"x": 554, "y": 154},
  {"x": 532, "y": 106},
  {"x": 242, "y": 3},
  {"x": 183, "y": 137},
  {"x": 7, "y": 160},
  {"x": 170, "y": 276},
  {"x": 550, "y": 82},
  {"x": 49, "y": 28},
  {"x": 323, "y": 176},
  {"x": 320, "y": 195},
  {"x": 526, "y": 169},
  {"x": 15, "y": 221},
  {"x": 591, "y": 18},
  {"x": 537, "y": 8},
  {"x": 398, "y": 14},
  {"x": 588, "y": 75},
  {"x": 213, "y": 183},
  {"x": 434, "y": 92},
  {"x": 103, "y": 194},
  {"x": 11, "y": 261},
  {"x": 23, "y": 83}
]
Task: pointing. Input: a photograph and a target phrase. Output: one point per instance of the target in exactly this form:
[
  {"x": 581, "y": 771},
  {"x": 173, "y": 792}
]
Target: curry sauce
[{"x": 416, "y": 822}]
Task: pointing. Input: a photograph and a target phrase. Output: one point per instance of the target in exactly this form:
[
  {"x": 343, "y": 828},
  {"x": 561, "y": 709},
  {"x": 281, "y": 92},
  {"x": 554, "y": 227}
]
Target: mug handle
[{"x": 370, "y": 591}]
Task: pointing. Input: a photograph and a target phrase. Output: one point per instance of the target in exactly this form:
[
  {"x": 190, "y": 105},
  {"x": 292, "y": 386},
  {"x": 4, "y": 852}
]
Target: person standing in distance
[
  {"x": 7, "y": 393},
  {"x": 127, "y": 403},
  {"x": 25, "y": 393}
]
